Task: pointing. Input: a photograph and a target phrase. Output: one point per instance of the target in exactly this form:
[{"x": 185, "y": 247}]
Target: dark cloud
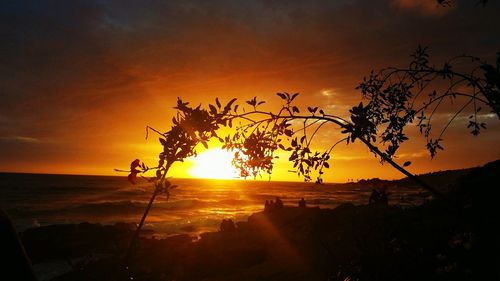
[{"x": 81, "y": 73}]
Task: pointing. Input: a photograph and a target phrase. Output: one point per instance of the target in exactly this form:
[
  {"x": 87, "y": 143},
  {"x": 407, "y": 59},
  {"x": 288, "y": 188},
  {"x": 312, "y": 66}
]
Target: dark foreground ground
[{"x": 452, "y": 239}]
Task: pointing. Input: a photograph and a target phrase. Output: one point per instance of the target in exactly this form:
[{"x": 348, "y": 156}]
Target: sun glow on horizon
[{"x": 213, "y": 163}]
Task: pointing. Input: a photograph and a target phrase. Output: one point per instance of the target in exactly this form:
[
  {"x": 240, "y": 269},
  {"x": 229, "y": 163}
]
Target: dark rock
[{"x": 14, "y": 263}]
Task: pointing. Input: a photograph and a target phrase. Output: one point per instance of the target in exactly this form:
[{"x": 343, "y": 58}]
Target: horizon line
[{"x": 232, "y": 179}]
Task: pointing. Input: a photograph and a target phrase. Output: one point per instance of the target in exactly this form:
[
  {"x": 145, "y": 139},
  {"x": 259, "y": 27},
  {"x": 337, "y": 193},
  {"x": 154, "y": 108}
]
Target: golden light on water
[{"x": 214, "y": 163}]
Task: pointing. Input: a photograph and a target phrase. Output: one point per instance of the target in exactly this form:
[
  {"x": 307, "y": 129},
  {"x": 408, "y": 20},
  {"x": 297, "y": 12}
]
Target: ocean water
[{"x": 195, "y": 206}]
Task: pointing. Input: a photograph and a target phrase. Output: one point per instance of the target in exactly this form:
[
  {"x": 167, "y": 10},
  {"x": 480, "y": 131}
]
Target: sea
[{"x": 194, "y": 206}]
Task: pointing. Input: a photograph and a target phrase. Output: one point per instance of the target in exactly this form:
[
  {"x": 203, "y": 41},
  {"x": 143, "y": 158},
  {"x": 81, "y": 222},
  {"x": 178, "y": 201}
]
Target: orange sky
[{"x": 81, "y": 80}]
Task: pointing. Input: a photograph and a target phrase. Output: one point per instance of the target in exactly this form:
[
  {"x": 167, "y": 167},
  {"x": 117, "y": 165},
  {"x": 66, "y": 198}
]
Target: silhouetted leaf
[
  {"x": 136, "y": 163},
  {"x": 230, "y": 103},
  {"x": 282, "y": 96},
  {"x": 213, "y": 110}
]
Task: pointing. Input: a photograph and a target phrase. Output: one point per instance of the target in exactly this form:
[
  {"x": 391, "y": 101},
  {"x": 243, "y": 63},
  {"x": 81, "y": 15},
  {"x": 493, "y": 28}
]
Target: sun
[{"x": 213, "y": 163}]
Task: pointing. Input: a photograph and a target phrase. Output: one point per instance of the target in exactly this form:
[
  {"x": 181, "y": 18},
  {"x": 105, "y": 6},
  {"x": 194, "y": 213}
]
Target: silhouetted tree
[{"x": 394, "y": 99}]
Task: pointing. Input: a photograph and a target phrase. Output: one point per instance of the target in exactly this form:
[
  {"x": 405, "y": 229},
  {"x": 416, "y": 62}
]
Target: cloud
[
  {"x": 92, "y": 73},
  {"x": 19, "y": 140},
  {"x": 417, "y": 154}
]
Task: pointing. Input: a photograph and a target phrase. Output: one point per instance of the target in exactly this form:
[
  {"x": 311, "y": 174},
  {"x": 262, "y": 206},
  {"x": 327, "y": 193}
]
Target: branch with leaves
[
  {"x": 398, "y": 96},
  {"x": 260, "y": 134},
  {"x": 395, "y": 98},
  {"x": 191, "y": 126}
]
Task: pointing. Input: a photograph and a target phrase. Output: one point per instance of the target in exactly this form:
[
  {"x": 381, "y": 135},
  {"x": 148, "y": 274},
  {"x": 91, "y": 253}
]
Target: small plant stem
[
  {"x": 135, "y": 238},
  {"x": 133, "y": 242}
]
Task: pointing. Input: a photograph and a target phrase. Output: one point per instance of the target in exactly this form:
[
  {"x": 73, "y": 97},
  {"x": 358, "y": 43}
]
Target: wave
[
  {"x": 128, "y": 206},
  {"x": 235, "y": 202}
]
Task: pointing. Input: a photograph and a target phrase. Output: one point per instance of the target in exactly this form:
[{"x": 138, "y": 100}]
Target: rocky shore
[{"x": 452, "y": 239}]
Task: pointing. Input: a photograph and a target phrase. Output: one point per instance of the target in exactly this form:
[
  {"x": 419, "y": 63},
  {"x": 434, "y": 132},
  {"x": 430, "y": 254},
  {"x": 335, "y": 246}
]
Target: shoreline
[{"x": 366, "y": 242}]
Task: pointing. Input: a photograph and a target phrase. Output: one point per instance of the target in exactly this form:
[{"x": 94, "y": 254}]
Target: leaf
[
  {"x": 282, "y": 96},
  {"x": 230, "y": 103},
  {"x": 407, "y": 163},
  {"x": 294, "y": 96},
  {"x": 295, "y": 109},
  {"x": 213, "y": 110},
  {"x": 252, "y": 102},
  {"x": 326, "y": 165},
  {"x": 136, "y": 163},
  {"x": 217, "y": 102}
]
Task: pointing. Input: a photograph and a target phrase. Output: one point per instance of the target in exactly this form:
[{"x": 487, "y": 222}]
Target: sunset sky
[{"x": 80, "y": 80}]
